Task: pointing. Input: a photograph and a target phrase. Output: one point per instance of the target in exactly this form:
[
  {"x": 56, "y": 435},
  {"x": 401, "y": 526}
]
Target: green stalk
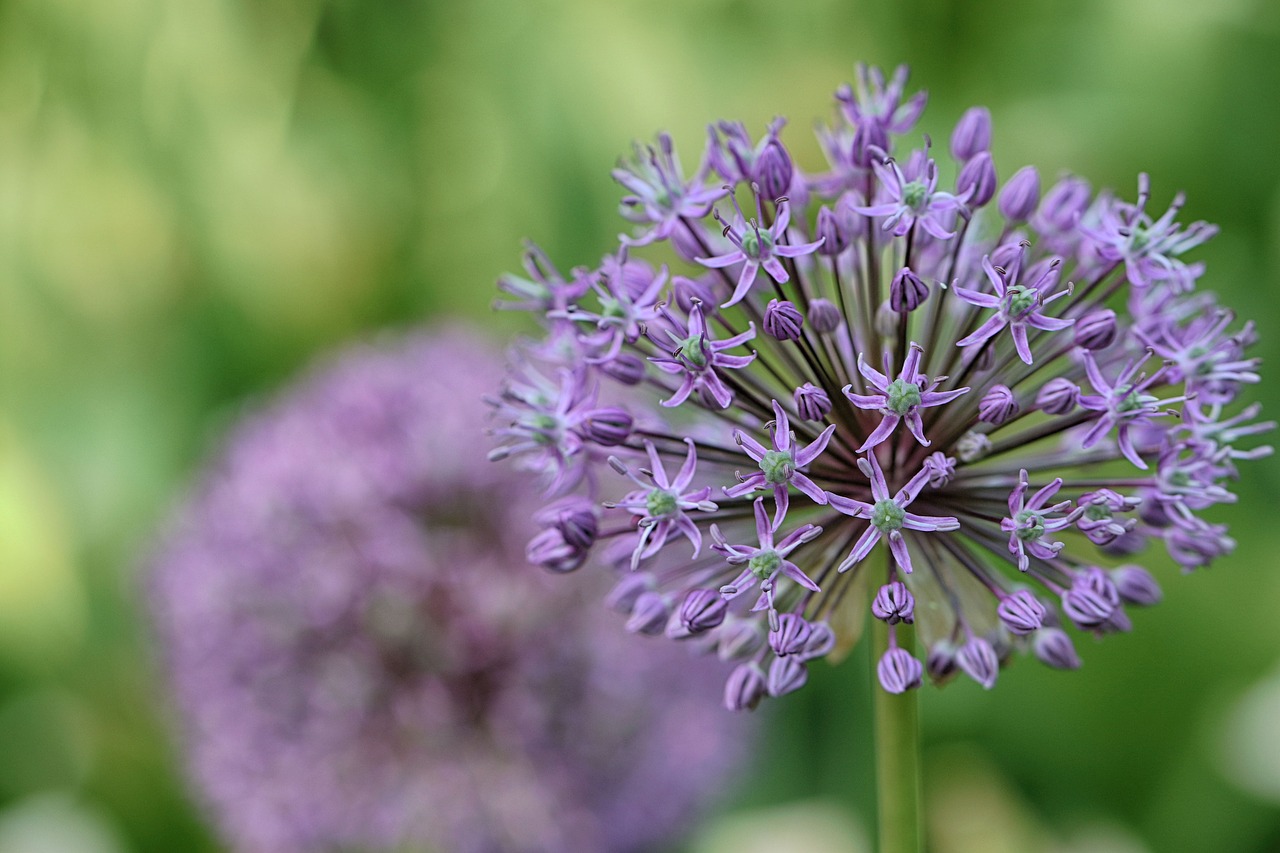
[{"x": 897, "y": 754}]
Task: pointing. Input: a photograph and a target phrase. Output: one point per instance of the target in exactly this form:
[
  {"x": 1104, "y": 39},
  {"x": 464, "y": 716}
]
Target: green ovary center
[
  {"x": 886, "y": 515},
  {"x": 1030, "y": 525},
  {"x": 1097, "y": 512},
  {"x": 764, "y": 564},
  {"x": 903, "y": 396},
  {"x": 660, "y": 503},
  {"x": 755, "y": 242},
  {"x": 777, "y": 466},
  {"x": 1129, "y": 401},
  {"x": 1021, "y": 300},
  {"x": 913, "y": 194},
  {"x": 691, "y": 348}
]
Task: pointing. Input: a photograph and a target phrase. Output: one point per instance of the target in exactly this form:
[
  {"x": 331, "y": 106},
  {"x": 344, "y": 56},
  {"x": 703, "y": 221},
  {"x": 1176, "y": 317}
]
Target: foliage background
[{"x": 196, "y": 196}]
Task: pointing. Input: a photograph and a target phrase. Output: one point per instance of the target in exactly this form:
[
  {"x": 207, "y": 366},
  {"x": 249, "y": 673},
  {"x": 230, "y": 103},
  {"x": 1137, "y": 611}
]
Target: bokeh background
[{"x": 198, "y": 196}]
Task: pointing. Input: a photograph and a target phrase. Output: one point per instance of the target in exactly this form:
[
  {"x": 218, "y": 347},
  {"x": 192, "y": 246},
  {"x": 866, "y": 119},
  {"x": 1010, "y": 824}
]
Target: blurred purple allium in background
[
  {"x": 363, "y": 658},
  {"x": 1012, "y": 397}
]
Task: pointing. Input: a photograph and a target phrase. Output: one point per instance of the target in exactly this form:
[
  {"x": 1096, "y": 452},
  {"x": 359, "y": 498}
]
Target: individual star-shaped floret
[
  {"x": 1017, "y": 305},
  {"x": 663, "y": 504},
  {"x": 914, "y": 201},
  {"x": 888, "y": 514},
  {"x": 1029, "y": 523},
  {"x": 903, "y": 398},
  {"x": 699, "y": 359},
  {"x": 660, "y": 196},
  {"x": 780, "y": 466},
  {"x": 766, "y": 561},
  {"x": 757, "y": 247}
]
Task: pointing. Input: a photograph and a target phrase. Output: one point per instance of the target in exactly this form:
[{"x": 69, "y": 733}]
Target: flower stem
[{"x": 897, "y": 754}]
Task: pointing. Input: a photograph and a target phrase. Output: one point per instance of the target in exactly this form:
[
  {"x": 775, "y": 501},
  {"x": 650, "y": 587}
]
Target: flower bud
[
  {"x": 941, "y": 469},
  {"x": 773, "y": 169},
  {"x": 1020, "y": 195},
  {"x": 702, "y": 610},
  {"x": 824, "y": 316},
  {"x": 1021, "y": 612},
  {"x": 852, "y": 224},
  {"x": 821, "y": 641},
  {"x": 972, "y": 446},
  {"x": 549, "y": 550},
  {"x": 894, "y": 603},
  {"x": 1117, "y": 623},
  {"x": 738, "y": 639},
  {"x": 812, "y": 403},
  {"x": 625, "y": 368},
  {"x": 1063, "y": 205},
  {"x": 898, "y": 671},
  {"x": 828, "y": 230},
  {"x": 786, "y": 675},
  {"x": 575, "y": 518},
  {"x": 997, "y": 405},
  {"x": 1096, "y": 330},
  {"x": 686, "y": 290},
  {"x": 1058, "y": 396},
  {"x": 1054, "y": 648},
  {"x": 622, "y": 598},
  {"x": 907, "y": 291},
  {"x": 744, "y": 688},
  {"x": 941, "y": 660},
  {"x": 609, "y": 426},
  {"x": 782, "y": 321},
  {"x": 977, "y": 178},
  {"x": 977, "y": 659},
  {"x": 1091, "y": 599},
  {"x": 1136, "y": 586},
  {"x": 972, "y": 134},
  {"x": 649, "y": 615},
  {"x": 790, "y": 635},
  {"x": 870, "y": 141}
]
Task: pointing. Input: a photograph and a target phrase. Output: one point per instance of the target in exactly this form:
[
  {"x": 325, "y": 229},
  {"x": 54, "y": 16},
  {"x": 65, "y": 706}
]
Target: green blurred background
[{"x": 197, "y": 196}]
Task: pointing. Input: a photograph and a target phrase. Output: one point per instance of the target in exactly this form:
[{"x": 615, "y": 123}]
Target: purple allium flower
[
  {"x": 780, "y": 466},
  {"x": 756, "y": 247},
  {"x": 362, "y": 661},
  {"x": 1104, "y": 425},
  {"x": 913, "y": 201},
  {"x": 901, "y": 399},
  {"x": 1017, "y": 305}
]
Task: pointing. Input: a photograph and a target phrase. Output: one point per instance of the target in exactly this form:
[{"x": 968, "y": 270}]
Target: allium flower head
[
  {"x": 969, "y": 401},
  {"x": 363, "y": 659}
]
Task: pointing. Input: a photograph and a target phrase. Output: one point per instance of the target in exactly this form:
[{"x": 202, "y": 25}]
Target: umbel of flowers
[{"x": 1018, "y": 388}]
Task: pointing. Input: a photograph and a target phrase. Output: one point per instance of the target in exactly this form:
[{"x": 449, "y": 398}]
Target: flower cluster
[
  {"x": 363, "y": 660},
  {"x": 1018, "y": 392}
]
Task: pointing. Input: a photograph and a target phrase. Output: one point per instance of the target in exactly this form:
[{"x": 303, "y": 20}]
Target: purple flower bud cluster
[
  {"x": 361, "y": 660},
  {"x": 992, "y": 397}
]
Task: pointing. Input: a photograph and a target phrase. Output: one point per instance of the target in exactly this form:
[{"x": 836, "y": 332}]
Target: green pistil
[
  {"x": 546, "y": 426},
  {"x": 764, "y": 564},
  {"x": 1097, "y": 512},
  {"x": 886, "y": 515},
  {"x": 1130, "y": 401},
  {"x": 1180, "y": 479},
  {"x": 1021, "y": 300},
  {"x": 754, "y": 241},
  {"x": 691, "y": 348},
  {"x": 777, "y": 466},
  {"x": 913, "y": 194},
  {"x": 1030, "y": 525},
  {"x": 661, "y": 503},
  {"x": 903, "y": 396}
]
